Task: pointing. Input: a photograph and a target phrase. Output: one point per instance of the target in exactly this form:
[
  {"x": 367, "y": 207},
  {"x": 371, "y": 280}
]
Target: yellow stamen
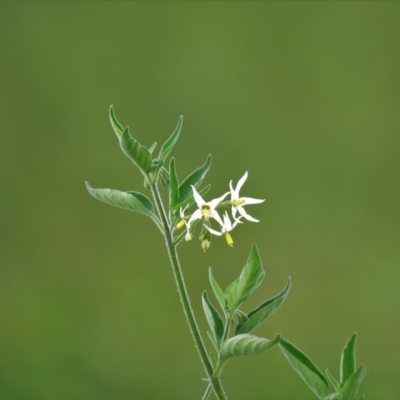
[
  {"x": 238, "y": 202},
  {"x": 229, "y": 239},
  {"x": 206, "y": 212},
  {"x": 180, "y": 224}
]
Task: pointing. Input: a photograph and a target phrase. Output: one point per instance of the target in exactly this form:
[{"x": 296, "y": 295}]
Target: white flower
[
  {"x": 206, "y": 210},
  {"x": 226, "y": 228},
  {"x": 239, "y": 202}
]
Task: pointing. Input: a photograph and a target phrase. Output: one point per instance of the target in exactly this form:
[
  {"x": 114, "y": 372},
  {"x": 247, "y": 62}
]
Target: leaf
[
  {"x": 195, "y": 179},
  {"x": 133, "y": 201},
  {"x": 173, "y": 185},
  {"x": 348, "y": 360},
  {"x": 333, "y": 381},
  {"x": 153, "y": 146},
  {"x": 169, "y": 144},
  {"x": 239, "y": 290},
  {"x": 243, "y": 345},
  {"x": 213, "y": 360},
  {"x": 219, "y": 293},
  {"x": 262, "y": 312},
  {"x": 139, "y": 154},
  {"x": 350, "y": 388},
  {"x": 305, "y": 368},
  {"x": 213, "y": 318},
  {"x": 190, "y": 200}
]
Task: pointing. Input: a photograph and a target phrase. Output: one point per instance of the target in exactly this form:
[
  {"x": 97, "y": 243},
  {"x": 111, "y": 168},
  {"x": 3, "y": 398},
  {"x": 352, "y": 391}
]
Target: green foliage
[
  {"x": 219, "y": 293},
  {"x": 262, "y": 312},
  {"x": 133, "y": 201},
  {"x": 213, "y": 319},
  {"x": 348, "y": 360},
  {"x": 170, "y": 143},
  {"x": 250, "y": 278},
  {"x": 246, "y": 344},
  {"x": 350, "y": 378},
  {"x": 139, "y": 154},
  {"x": 195, "y": 179},
  {"x": 173, "y": 186},
  {"x": 305, "y": 368}
]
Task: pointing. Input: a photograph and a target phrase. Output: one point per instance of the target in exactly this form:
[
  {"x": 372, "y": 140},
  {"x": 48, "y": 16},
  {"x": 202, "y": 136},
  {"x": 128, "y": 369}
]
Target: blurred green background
[{"x": 303, "y": 95}]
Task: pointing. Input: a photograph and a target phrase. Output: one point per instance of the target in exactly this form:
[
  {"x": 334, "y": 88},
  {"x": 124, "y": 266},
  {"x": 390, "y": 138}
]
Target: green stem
[{"x": 178, "y": 275}]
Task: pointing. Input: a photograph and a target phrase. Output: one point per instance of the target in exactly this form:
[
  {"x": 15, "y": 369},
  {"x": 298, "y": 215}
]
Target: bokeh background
[{"x": 303, "y": 95}]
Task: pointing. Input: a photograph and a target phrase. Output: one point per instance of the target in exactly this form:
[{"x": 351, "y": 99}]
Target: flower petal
[
  {"x": 215, "y": 202},
  {"x": 214, "y": 214},
  {"x": 196, "y": 215},
  {"x": 250, "y": 200},
  {"x": 242, "y": 180},
  {"x": 198, "y": 199},
  {"x": 244, "y": 214},
  {"x": 214, "y": 232}
]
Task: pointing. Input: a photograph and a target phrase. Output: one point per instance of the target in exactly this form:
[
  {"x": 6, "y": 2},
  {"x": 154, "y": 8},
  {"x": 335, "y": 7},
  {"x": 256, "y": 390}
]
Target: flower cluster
[{"x": 208, "y": 210}]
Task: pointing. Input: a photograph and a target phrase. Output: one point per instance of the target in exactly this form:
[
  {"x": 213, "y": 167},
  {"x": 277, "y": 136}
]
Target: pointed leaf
[
  {"x": 133, "y": 201},
  {"x": 350, "y": 388},
  {"x": 195, "y": 179},
  {"x": 333, "y": 381},
  {"x": 239, "y": 290},
  {"x": 153, "y": 146},
  {"x": 262, "y": 312},
  {"x": 213, "y": 318},
  {"x": 169, "y": 144},
  {"x": 139, "y": 154},
  {"x": 305, "y": 368},
  {"x": 173, "y": 186},
  {"x": 348, "y": 360},
  {"x": 219, "y": 293},
  {"x": 243, "y": 345}
]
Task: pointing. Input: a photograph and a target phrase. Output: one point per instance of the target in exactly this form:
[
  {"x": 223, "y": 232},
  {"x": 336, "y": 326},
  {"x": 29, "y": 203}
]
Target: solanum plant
[{"x": 230, "y": 328}]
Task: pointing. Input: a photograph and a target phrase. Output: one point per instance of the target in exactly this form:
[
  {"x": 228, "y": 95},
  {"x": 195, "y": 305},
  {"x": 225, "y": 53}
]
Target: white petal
[
  {"x": 227, "y": 223},
  {"x": 214, "y": 214},
  {"x": 196, "y": 215},
  {"x": 234, "y": 195},
  {"x": 250, "y": 200},
  {"x": 199, "y": 200},
  {"x": 214, "y": 232},
  {"x": 215, "y": 202},
  {"x": 244, "y": 214},
  {"x": 242, "y": 180},
  {"x": 234, "y": 212}
]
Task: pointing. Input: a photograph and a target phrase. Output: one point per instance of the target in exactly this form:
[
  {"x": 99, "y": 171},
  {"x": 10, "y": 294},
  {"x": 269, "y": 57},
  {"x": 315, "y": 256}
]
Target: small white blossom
[
  {"x": 205, "y": 209},
  {"x": 239, "y": 202},
  {"x": 226, "y": 227}
]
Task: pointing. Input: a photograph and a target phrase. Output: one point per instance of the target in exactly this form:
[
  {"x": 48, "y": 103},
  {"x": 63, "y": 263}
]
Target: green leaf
[
  {"x": 195, "y": 179},
  {"x": 153, "y": 146},
  {"x": 139, "y": 154},
  {"x": 348, "y": 360},
  {"x": 169, "y": 144},
  {"x": 213, "y": 318},
  {"x": 243, "y": 345},
  {"x": 133, "y": 201},
  {"x": 305, "y": 368},
  {"x": 239, "y": 290},
  {"x": 262, "y": 312},
  {"x": 350, "y": 387},
  {"x": 173, "y": 186},
  {"x": 219, "y": 293},
  {"x": 190, "y": 200},
  {"x": 213, "y": 360},
  {"x": 333, "y": 381}
]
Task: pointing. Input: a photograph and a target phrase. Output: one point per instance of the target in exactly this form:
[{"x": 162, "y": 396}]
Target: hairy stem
[{"x": 180, "y": 283}]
